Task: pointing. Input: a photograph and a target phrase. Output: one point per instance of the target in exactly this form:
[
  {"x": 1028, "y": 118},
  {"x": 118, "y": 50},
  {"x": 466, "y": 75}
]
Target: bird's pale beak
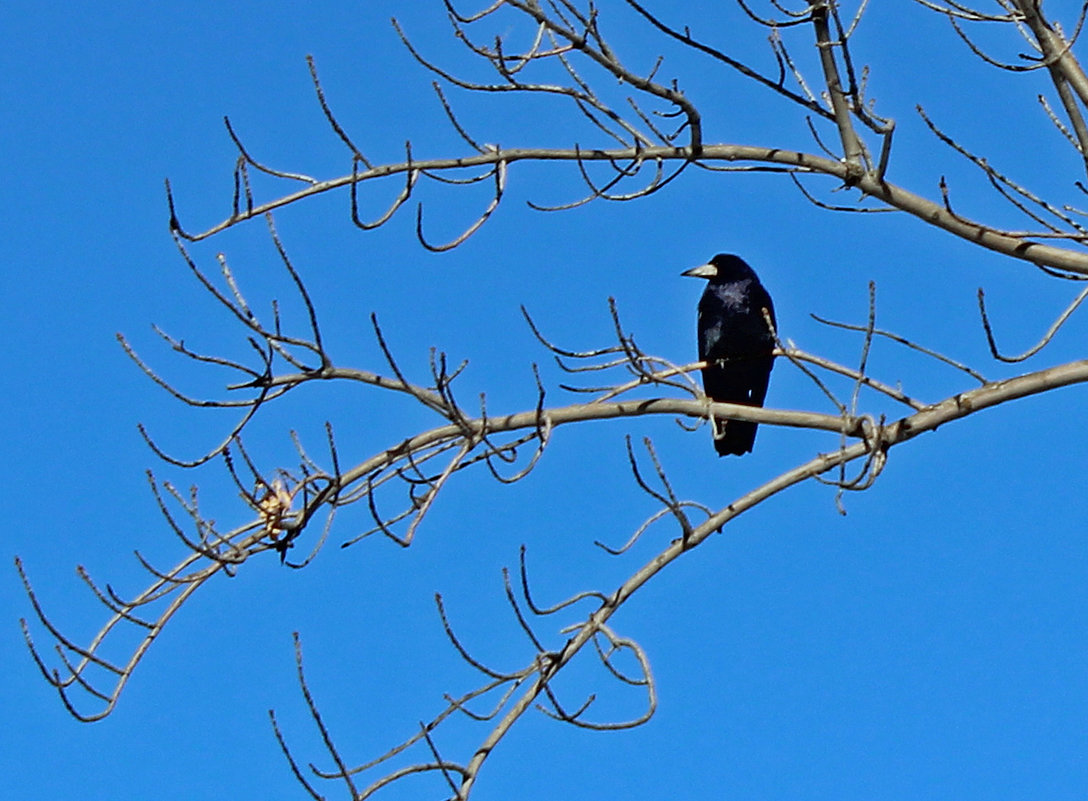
[{"x": 702, "y": 271}]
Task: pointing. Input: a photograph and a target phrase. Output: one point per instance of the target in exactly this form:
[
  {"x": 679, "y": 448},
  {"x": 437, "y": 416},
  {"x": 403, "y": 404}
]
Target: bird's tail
[{"x": 734, "y": 437}]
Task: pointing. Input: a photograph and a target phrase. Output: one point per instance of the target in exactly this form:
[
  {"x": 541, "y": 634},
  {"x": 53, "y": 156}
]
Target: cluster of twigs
[
  {"x": 494, "y": 702},
  {"x": 856, "y": 151},
  {"x": 662, "y": 126}
]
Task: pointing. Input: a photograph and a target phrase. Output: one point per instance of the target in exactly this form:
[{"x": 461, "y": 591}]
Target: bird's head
[{"x": 723, "y": 267}]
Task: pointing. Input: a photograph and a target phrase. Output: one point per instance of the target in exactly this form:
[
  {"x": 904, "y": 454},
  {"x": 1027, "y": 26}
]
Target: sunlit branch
[{"x": 891, "y": 194}]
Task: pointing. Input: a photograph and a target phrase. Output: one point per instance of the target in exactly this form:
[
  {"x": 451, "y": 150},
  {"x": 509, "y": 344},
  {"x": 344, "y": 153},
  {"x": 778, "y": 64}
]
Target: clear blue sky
[{"x": 930, "y": 644}]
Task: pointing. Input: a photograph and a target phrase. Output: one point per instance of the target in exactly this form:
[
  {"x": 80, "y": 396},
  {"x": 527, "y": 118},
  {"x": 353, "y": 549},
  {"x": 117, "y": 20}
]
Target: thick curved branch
[
  {"x": 926, "y": 210},
  {"x": 252, "y": 538}
]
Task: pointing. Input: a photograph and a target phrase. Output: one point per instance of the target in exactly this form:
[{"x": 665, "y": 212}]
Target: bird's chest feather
[
  {"x": 729, "y": 322},
  {"x": 732, "y": 296}
]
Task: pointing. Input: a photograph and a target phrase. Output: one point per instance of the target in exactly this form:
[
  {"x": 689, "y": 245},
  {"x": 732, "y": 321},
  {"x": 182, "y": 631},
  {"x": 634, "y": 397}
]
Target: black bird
[{"x": 736, "y": 341}]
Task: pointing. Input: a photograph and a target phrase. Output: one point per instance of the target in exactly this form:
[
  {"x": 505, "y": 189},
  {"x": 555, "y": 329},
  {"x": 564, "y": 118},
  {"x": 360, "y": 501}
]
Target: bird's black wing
[{"x": 762, "y": 361}]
